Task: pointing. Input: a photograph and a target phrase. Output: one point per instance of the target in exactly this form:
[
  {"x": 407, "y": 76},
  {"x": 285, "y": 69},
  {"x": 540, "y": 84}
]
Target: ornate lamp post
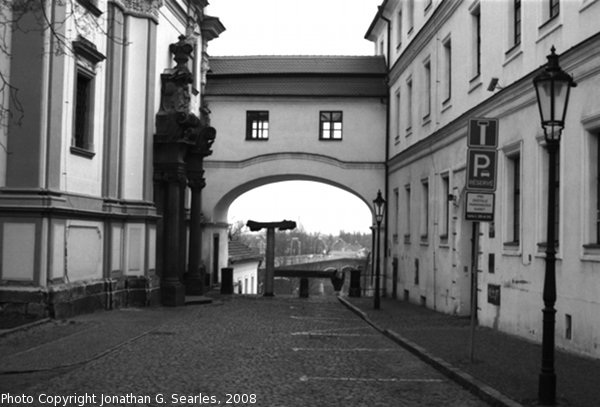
[
  {"x": 552, "y": 87},
  {"x": 379, "y": 206}
]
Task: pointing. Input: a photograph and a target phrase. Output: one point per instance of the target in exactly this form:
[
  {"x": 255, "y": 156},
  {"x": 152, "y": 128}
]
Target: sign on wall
[
  {"x": 480, "y": 206},
  {"x": 482, "y": 140}
]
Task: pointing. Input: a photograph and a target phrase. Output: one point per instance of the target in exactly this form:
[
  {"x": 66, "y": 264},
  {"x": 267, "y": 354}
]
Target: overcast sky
[
  {"x": 293, "y": 27},
  {"x": 297, "y": 27}
]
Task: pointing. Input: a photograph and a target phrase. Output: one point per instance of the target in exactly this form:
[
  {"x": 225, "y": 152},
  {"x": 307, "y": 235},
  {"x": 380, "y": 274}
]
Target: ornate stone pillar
[
  {"x": 195, "y": 277},
  {"x": 172, "y": 141}
]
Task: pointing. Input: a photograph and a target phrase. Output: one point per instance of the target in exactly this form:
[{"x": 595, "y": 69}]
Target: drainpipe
[{"x": 387, "y": 153}]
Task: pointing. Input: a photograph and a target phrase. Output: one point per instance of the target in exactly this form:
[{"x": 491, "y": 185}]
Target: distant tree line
[{"x": 300, "y": 242}]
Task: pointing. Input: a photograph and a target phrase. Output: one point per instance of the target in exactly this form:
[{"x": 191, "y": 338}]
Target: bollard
[
  {"x": 354, "y": 290},
  {"x": 304, "y": 286},
  {"x": 227, "y": 280}
]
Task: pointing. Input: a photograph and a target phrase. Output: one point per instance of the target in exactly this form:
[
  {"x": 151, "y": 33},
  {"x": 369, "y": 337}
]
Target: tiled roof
[
  {"x": 240, "y": 252},
  {"x": 341, "y": 65},
  {"x": 297, "y": 76}
]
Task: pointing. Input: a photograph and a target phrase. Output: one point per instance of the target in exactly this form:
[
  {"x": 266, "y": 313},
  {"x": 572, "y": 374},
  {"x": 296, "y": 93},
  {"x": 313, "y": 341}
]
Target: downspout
[{"x": 387, "y": 154}]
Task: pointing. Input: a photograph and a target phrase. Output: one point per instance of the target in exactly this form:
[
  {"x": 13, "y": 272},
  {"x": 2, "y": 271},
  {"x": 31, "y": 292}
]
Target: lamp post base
[{"x": 547, "y": 389}]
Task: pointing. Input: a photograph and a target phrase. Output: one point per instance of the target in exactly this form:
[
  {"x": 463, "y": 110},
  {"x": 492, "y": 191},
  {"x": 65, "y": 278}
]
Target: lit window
[
  {"x": 330, "y": 127},
  {"x": 257, "y": 125}
]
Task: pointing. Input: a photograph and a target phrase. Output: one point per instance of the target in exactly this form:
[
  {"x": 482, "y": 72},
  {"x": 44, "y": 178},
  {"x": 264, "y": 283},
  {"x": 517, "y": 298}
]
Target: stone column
[{"x": 172, "y": 141}]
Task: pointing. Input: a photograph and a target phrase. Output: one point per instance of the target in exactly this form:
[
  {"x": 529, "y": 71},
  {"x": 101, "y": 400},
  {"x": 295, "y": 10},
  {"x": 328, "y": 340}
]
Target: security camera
[{"x": 493, "y": 85}]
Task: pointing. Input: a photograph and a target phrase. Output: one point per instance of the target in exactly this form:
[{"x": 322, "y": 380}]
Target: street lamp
[
  {"x": 379, "y": 206},
  {"x": 552, "y": 87}
]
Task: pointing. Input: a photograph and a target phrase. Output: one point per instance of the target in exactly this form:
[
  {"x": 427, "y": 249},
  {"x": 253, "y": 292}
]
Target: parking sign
[
  {"x": 481, "y": 169},
  {"x": 482, "y": 133}
]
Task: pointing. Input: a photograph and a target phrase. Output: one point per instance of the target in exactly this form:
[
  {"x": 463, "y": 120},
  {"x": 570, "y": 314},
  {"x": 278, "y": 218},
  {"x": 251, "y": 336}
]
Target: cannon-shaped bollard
[
  {"x": 227, "y": 280},
  {"x": 304, "y": 287},
  {"x": 354, "y": 290}
]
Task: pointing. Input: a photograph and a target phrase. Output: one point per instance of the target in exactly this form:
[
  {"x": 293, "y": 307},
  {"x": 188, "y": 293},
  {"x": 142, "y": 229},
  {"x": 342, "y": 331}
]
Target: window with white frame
[
  {"x": 407, "y": 218},
  {"x": 399, "y": 29},
  {"x": 513, "y": 198},
  {"x": 447, "y": 73},
  {"x": 593, "y": 187},
  {"x": 330, "y": 125},
  {"x": 396, "y": 214},
  {"x": 409, "y": 102},
  {"x": 410, "y": 9},
  {"x": 427, "y": 89},
  {"x": 397, "y": 115},
  {"x": 544, "y": 186},
  {"x": 445, "y": 207},
  {"x": 515, "y": 23},
  {"x": 476, "y": 41},
  {"x": 87, "y": 59},
  {"x": 424, "y": 219}
]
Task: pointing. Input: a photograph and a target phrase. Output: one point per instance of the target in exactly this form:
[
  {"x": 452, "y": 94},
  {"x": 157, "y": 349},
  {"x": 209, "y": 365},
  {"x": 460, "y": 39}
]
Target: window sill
[
  {"x": 90, "y": 5},
  {"x": 475, "y": 83},
  {"x": 426, "y": 119},
  {"x": 446, "y": 104},
  {"x": 257, "y": 139},
  {"x": 330, "y": 139},
  {"x": 82, "y": 152},
  {"x": 548, "y": 28},
  {"x": 513, "y": 53},
  {"x": 511, "y": 248},
  {"x": 586, "y": 4},
  {"x": 444, "y": 241},
  {"x": 591, "y": 251}
]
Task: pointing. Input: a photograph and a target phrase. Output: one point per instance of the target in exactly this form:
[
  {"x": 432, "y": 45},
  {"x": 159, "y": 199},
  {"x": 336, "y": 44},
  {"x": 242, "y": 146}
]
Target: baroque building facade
[
  {"x": 451, "y": 61},
  {"x": 78, "y": 222}
]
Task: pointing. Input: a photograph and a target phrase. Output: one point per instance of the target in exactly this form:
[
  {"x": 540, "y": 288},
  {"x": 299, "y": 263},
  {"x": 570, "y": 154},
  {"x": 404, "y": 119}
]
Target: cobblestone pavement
[
  {"x": 244, "y": 350},
  {"x": 506, "y": 363}
]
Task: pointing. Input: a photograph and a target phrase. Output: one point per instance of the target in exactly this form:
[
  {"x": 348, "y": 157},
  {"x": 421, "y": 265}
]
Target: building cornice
[
  {"x": 511, "y": 99},
  {"x": 424, "y": 37},
  {"x": 140, "y": 8},
  {"x": 211, "y": 27}
]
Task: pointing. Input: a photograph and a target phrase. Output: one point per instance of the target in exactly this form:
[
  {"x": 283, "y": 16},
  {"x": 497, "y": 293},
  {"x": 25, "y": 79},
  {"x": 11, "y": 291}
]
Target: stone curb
[
  {"x": 24, "y": 327},
  {"x": 475, "y": 386}
]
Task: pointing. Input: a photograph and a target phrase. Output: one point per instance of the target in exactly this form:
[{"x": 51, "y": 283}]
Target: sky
[
  {"x": 315, "y": 206},
  {"x": 297, "y": 27},
  {"x": 293, "y": 27}
]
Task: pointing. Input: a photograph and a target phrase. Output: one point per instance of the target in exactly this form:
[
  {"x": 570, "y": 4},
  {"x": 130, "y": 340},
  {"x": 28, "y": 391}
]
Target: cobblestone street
[{"x": 270, "y": 351}]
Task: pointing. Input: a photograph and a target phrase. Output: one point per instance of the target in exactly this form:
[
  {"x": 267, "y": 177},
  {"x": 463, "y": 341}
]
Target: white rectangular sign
[{"x": 480, "y": 206}]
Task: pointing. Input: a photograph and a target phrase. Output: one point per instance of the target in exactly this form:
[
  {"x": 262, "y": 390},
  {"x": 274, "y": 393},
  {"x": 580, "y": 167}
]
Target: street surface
[{"x": 239, "y": 351}]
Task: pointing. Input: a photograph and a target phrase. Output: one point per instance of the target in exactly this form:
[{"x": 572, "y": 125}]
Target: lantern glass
[
  {"x": 379, "y": 206},
  {"x": 553, "y": 87}
]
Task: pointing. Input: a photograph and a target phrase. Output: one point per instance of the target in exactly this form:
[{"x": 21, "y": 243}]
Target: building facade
[
  {"x": 78, "y": 222},
  {"x": 451, "y": 61}
]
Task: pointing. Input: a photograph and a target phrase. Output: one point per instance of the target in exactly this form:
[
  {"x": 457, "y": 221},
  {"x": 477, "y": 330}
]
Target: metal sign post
[{"x": 482, "y": 141}]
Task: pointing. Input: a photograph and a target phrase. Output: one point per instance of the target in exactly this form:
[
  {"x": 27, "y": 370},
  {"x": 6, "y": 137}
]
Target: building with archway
[{"x": 279, "y": 118}]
